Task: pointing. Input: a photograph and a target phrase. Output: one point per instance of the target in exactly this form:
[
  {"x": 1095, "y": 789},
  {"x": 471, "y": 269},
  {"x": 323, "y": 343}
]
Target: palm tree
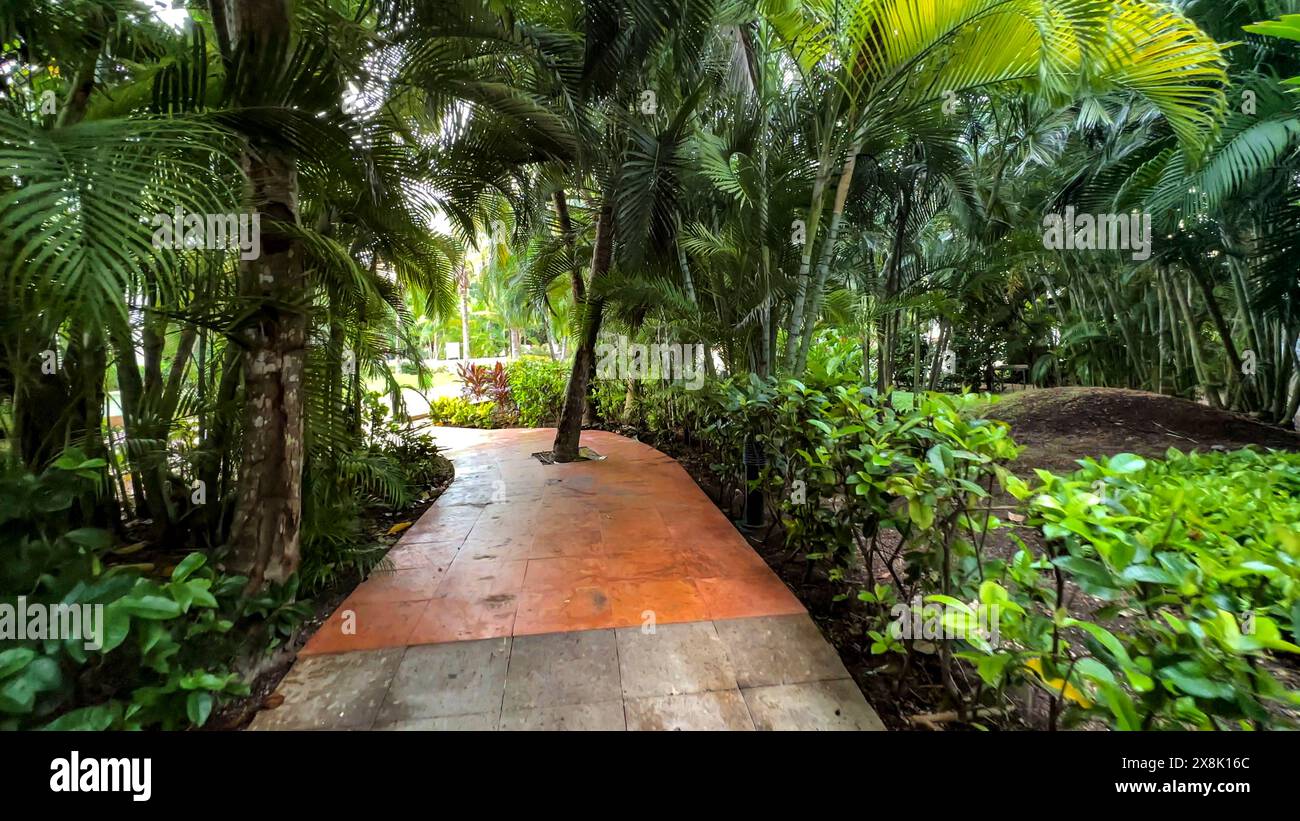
[
  {"x": 886, "y": 62},
  {"x": 623, "y": 63},
  {"x": 245, "y": 108}
]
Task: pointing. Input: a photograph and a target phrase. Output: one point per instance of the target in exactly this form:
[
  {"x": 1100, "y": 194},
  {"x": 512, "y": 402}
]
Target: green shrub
[
  {"x": 537, "y": 387},
  {"x": 1196, "y": 559},
  {"x": 160, "y": 661},
  {"x": 417, "y": 456},
  {"x": 342, "y": 484},
  {"x": 335, "y": 542},
  {"x": 1199, "y": 554},
  {"x": 610, "y": 396},
  {"x": 459, "y": 412}
]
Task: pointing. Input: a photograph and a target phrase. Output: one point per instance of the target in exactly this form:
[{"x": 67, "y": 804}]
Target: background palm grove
[{"x": 842, "y": 201}]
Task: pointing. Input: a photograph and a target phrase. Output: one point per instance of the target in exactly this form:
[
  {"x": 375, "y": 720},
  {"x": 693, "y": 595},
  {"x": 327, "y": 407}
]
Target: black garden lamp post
[{"x": 755, "y": 461}]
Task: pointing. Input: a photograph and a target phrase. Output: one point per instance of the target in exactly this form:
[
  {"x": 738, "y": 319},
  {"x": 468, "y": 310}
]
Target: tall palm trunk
[
  {"x": 1190, "y": 329},
  {"x": 795, "y": 323},
  {"x": 569, "y": 430},
  {"x": 1202, "y": 278},
  {"x": 566, "y": 231},
  {"x": 265, "y": 533},
  {"x": 814, "y": 304},
  {"x": 463, "y": 288},
  {"x": 885, "y": 374}
]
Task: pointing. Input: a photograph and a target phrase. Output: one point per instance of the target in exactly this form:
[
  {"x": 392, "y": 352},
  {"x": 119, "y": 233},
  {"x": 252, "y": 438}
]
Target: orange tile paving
[{"x": 518, "y": 548}]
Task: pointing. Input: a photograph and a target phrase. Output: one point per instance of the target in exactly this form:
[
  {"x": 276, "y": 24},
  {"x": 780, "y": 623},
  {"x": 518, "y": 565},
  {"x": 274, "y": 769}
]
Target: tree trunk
[
  {"x": 464, "y": 311},
  {"x": 795, "y": 327},
  {"x": 1190, "y": 329},
  {"x": 265, "y": 533},
  {"x": 213, "y": 467},
  {"x": 629, "y": 401},
  {"x": 885, "y": 377},
  {"x": 130, "y": 394},
  {"x": 1202, "y": 279},
  {"x": 916, "y": 353},
  {"x": 550, "y": 337},
  {"x": 569, "y": 236},
  {"x": 688, "y": 282},
  {"x": 569, "y": 430},
  {"x": 809, "y": 321}
]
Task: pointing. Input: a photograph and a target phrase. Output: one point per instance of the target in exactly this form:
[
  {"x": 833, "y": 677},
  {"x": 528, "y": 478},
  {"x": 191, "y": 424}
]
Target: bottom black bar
[{"x": 284, "y": 771}]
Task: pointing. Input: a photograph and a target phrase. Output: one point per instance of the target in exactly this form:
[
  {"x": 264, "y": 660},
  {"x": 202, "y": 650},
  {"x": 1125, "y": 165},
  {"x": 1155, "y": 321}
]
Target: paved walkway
[{"x": 602, "y": 595}]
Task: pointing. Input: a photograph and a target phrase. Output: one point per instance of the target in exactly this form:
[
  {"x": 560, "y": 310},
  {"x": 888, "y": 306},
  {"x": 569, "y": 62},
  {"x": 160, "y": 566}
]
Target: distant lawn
[{"x": 410, "y": 380}]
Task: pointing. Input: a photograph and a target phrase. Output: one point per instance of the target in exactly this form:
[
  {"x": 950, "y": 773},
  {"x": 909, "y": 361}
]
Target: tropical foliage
[{"x": 233, "y": 235}]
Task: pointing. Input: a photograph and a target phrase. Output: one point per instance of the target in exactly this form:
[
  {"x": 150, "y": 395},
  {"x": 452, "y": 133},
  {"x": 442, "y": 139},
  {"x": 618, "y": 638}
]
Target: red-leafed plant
[{"x": 483, "y": 383}]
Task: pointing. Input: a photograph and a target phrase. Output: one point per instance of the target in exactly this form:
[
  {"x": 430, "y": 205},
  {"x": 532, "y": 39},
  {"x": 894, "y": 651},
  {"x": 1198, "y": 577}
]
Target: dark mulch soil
[
  {"x": 265, "y": 672},
  {"x": 1061, "y": 425},
  {"x": 1058, "y": 426}
]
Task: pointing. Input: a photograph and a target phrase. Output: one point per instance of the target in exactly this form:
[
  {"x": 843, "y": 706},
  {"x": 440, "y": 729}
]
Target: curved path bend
[{"x": 602, "y": 595}]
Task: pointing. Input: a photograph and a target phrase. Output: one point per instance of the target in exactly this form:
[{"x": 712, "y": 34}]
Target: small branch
[{"x": 932, "y": 721}]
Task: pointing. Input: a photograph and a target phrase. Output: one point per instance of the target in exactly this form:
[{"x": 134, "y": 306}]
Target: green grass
[{"x": 410, "y": 380}]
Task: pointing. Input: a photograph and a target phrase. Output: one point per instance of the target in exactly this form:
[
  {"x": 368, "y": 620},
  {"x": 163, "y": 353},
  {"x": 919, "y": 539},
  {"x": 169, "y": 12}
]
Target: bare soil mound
[{"x": 1061, "y": 425}]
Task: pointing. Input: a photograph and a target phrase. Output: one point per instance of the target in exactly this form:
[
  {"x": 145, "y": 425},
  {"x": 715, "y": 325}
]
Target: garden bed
[{"x": 1058, "y": 427}]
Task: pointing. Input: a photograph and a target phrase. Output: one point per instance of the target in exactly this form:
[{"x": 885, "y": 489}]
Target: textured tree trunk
[
  {"x": 629, "y": 401},
  {"x": 130, "y": 394},
  {"x": 590, "y": 417},
  {"x": 936, "y": 361},
  {"x": 265, "y": 532},
  {"x": 885, "y": 376},
  {"x": 550, "y": 338},
  {"x": 1175, "y": 342},
  {"x": 569, "y": 430},
  {"x": 1285, "y": 362},
  {"x": 688, "y": 282}
]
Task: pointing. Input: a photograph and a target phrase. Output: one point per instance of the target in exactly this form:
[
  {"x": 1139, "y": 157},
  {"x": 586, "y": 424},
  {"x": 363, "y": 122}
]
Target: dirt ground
[{"x": 1058, "y": 426}]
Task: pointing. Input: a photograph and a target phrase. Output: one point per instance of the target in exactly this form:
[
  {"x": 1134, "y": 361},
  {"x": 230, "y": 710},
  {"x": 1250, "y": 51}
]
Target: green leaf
[
  {"x": 1125, "y": 463},
  {"x": 150, "y": 607},
  {"x": 1147, "y": 573},
  {"x": 90, "y": 537},
  {"x": 820, "y": 425},
  {"x": 187, "y": 566},
  {"x": 1191, "y": 680},
  {"x": 921, "y": 513},
  {"x": 992, "y": 668},
  {"x": 18, "y": 693},
  {"x": 117, "y": 625},
  {"x": 935, "y": 456},
  {"x": 198, "y": 707},
  {"x": 11, "y": 661},
  {"x": 94, "y": 718}
]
